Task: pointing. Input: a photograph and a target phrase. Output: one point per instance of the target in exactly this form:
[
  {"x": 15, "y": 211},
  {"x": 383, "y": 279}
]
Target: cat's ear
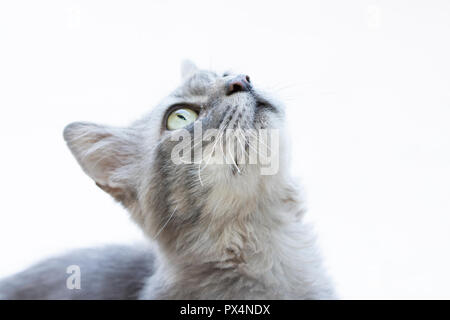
[
  {"x": 187, "y": 68},
  {"x": 105, "y": 154}
]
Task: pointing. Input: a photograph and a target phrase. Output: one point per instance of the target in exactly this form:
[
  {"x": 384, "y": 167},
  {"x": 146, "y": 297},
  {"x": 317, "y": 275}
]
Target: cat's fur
[{"x": 224, "y": 235}]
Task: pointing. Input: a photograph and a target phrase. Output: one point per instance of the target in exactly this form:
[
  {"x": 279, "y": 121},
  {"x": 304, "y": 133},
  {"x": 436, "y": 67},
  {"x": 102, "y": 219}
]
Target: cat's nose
[{"x": 238, "y": 84}]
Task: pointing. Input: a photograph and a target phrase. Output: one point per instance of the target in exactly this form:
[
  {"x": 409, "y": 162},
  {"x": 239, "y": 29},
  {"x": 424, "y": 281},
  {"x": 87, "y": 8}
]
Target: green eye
[{"x": 180, "y": 118}]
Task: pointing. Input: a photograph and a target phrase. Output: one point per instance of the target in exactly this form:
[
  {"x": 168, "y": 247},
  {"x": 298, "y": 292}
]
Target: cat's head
[{"x": 189, "y": 161}]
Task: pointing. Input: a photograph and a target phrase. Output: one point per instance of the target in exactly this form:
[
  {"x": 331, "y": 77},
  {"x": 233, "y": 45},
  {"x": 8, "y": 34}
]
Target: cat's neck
[{"x": 237, "y": 224}]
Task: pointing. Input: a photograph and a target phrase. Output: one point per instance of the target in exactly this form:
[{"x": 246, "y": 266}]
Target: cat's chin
[{"x": 241, "y": 177}]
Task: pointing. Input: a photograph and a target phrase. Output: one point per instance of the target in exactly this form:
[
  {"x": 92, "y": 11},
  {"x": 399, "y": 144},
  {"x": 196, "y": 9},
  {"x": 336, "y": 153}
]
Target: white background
[{"x": 367, "y": 88}]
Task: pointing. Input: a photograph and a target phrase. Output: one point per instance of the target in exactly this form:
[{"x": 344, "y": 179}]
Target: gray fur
[
  {"x": 225, "y": 232},
  {"x": 112, "y": 272}
]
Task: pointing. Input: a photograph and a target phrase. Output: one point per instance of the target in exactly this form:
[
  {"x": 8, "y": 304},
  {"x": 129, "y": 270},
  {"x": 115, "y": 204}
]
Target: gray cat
[{"x": 216, "y": 230}]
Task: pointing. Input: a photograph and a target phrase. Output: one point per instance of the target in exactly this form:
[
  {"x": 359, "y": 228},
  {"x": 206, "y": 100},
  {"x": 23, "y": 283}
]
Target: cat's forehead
[{"x": 199, "y": 83}]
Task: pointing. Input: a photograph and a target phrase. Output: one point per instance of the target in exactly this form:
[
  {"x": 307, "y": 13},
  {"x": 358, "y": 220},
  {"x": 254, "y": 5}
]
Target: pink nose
[{"x": 239, "y": 83}]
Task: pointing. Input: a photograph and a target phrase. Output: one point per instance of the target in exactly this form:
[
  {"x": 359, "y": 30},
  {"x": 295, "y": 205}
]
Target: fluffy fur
[{"x": 220, "y": 231}]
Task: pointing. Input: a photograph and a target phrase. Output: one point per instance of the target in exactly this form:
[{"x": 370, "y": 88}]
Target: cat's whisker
[
  {"x": 200, "y": 176},
  {"x": 244, "y": 138},
  {"x": 203, "y": 139},
  {"x": 250, "y": 144},
  {"x": 221, "y": 129},
  {"x": 232, "y": 158},
  {"x": 165, "y": 224},
  {"x": 259, "y": 140},
  {"x": 221, "y": 132},
  {"x": 212, "y": 151},
  {"x": 239, "y": 140}
]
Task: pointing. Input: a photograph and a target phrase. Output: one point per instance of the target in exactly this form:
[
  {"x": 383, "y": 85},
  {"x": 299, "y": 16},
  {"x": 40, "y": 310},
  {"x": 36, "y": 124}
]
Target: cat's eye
[{"x": 180, "y": 118}]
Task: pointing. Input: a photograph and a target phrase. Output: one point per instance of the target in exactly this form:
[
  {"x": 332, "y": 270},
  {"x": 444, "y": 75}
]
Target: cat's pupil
[{"x": 181, "y": 116}]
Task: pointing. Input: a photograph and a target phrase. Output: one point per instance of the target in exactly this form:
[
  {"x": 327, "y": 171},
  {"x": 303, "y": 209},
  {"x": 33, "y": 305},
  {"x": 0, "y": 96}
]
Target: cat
[{"x": 216, "y": 230}]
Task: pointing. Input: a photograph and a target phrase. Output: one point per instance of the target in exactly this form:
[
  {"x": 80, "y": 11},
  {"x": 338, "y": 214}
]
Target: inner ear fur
[{"x": 107, "y": 155}]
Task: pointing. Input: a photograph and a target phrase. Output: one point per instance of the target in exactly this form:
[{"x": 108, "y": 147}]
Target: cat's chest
[
  {"x": 253, "y": 280},
  {"x": 223, "y": 286}
]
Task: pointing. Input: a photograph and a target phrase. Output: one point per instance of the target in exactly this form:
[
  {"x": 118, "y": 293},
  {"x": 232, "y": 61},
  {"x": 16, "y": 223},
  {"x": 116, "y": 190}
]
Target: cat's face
[{"x": 195, "y": 157}]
